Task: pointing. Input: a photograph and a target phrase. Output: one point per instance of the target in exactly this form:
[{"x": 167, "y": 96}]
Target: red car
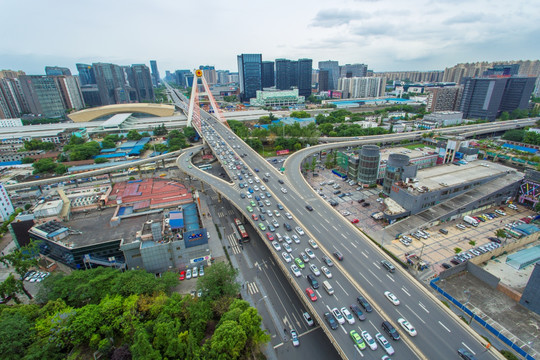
[
  {"x": 311, "y": 294},
  {"x": 355, "y": 221},
  {"x": 270, "y": 236},
  {"x": 182, "y": 275},
  {"x": 255, "y": 217}
]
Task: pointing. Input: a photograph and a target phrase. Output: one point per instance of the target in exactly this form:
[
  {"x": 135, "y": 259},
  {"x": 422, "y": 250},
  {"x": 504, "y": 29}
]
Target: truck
[{"x": 471, "y": 221}]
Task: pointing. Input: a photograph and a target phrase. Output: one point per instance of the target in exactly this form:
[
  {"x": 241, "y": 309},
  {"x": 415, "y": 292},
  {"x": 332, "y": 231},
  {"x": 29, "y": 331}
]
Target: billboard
[{"x": 282, "y": 152}]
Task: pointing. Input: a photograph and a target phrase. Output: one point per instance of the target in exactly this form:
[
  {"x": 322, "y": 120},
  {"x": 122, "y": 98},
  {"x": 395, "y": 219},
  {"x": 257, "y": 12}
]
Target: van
[
  {"x": 443, "y": 231},
  {"x": 329, "y": 289}
]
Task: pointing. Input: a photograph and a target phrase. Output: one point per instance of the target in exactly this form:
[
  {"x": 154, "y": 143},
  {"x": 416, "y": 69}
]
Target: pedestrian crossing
[
  {"x": 234, "y": 244},
  {"x": 252, "y": 288},
  {"x": 224, "y": 213}
]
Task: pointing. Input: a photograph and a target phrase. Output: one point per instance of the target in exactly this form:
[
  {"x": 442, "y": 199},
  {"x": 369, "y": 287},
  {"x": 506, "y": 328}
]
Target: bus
[
  {"x": 242, "y": 230},
  {"x": 205, "y": 167}
]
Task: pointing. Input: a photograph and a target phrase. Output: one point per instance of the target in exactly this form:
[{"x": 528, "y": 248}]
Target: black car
[
  {"x": 287, "y": 226},
  {"x": 280, "y": 181},
  {"x": 356, "y": 311},
  {"x": 242, "y": 195},
  {"x": 465, "y": 354},
  {"x": 364, "y": 303},
  {"x": 279, "y": 206},
  {"x": 361, "y": 201},
  {"x": 333, "y": 202},
  {"x": 337, "y": 192},
  {"x": 309, "y": 207},
  {"x": 313, "y": 281},
  {"x": 265, "y": 180},
  {"x": 366, "y": 204},
  {"x": 494, "y": 239},
  {"x": 341, "y": 196},
  {"x": 390, "y": 330},
  {"x": 331, "y": 321},
  {"x": 455, "y": 262},
  {"x": 338, "y": 255},
  {"x": 327, "y": 261},
  {"x": 446, "y": 266}
]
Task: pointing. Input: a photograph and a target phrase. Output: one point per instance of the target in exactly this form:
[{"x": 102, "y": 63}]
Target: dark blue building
[
  {"x": 267, "y": 74},
  {"x": 250, "y": 75}
]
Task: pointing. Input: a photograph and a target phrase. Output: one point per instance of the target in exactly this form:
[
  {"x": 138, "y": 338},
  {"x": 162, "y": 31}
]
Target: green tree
[
  {"x": 514, "y": 135},
  {"x": 255, "y": 144},
  {"x": 297, "y": 146},
  {"x": 472, "y": 243},
  {"x": 27, "y": 160},
  {"x": 457, "y": 250},
  {"x": 46, "y": 165},
  {"x": 160, "y": 130},
  {"x": 101, "y": 160},
  {"x": 326, "y": 128},
  {"x": 190, "y": 133},
  {"x": 500, "y": 233},
  {"x": 16, "y": 331},
  {"x": 505, "y": 116},
  {"x": 108, "y": 144},
  {"x": 300, "y": 114},
  {"x": 219, "y": 280},
  {"x": 142, "y": 348},
  {"x": 133, "y": 135},
  {"x": 22, "y": 260},
  {"x": 229, "y": 340}
]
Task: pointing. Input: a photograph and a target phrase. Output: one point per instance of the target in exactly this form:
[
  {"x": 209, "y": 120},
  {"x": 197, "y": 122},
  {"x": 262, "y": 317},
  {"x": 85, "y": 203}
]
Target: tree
[
  {"x": 134, "y": 135},
  {"x": 160, "y": 130},
  {"x": 457, "y": 250},
  {"x": 300, "y": 114},
  {"x": 219, "y": 280},
  {"x": 313, "y": 164},
  {"x": 229, "y": 339},
  {"x": 190, "y": 133},
  {"x": 108, "y": 144},
  {"x": 505, "y": 116},
  {"x": 500, "y": 233},
  {"x": 22, "y": 260},
  {"x": 142, "y": 348},
  {"x": 16, "y": 331},
  {"x": 46, "y": 165},
  {"x": 472, "y": 243},
  {"x": 297, "y": 146},
  {"x": 101, "y": 160},
  {"x": 27, "y": 160}
]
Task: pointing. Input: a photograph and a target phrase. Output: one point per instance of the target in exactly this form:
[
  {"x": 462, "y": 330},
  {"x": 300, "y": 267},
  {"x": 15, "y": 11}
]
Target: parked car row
[
  {"x": 466, "y": 255},
  {"x": 35, "y": 276},
  {"x": 191, "y": 273}
]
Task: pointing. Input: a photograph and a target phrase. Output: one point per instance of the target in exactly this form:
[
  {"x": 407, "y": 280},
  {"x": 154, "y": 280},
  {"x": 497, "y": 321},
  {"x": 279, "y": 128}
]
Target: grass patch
[
  {"x": 445, "y": 303},
  {"x": 509, "y": 355},
  {"x": 218, "y": 232}
]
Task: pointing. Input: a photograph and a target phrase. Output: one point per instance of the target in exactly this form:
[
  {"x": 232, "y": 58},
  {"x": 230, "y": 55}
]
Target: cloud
[
  {"x": 336, "y": 17},
  {"x": 464, "y": 18}
]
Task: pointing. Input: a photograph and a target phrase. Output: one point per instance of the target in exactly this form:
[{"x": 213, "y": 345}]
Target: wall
[
  {"x": 483, "y": 275},
  {"x": 508, "y": 247}
]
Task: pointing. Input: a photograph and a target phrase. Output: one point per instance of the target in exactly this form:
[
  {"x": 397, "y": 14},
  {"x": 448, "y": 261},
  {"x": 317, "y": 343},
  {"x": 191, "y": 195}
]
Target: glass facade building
[
  {"x": 250, "y": 75},
  {"x": 305, "y": 67},
  {"x": 267, "y": 74},
  {"x": 368, "y": 167}
]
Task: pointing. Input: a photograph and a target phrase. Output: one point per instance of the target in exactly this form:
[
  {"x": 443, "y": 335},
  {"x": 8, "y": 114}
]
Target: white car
[
  {"x": 369, "y": 340},
  {"x": 286, "y": 257},
  {"x": 304, "y": 257},
  {"x": 338, "y": 316},
  {"x": 269, "y": 213},
  {"x": 287, "y": 239},
  {"x": 393, "y": 298},
  {"x": 263, "y": 188},
  {"x": 256, "y": 188},
  {"x": 295, "y": 270},
  {"x": 326, "y": 272},
  {"x": 407, "y": 326},
  {"x": 249, "y": 196},
  {"x": 346, "y": 213},
  {"x": 267, "y": 202},
  {"x": 283, "y": 190},
  {"x": 313, "y": 244},
  {"x": 288, "y": 216},
  {"x": 277, "y": 213},
  {"x": 299, "y": 230},
  {"x": 257, "y": 180},
  {"x": 276, "y": 245},
  {"x": 275, "y": 223},
  {"x": 188, "y": 274},
  {"x": 310, "y": 253},
  {"x": 308, "y": 318},
  {"x": 287, "y": 247},
  {"x": 250, "y": 181},
  {"x": 347, "y": 315},
  {"x": 384, "y": 343},
  {"x": 295, "y": 238},
  {"x": 314, "y": 269},
  {"x": 195, "y": 272}
]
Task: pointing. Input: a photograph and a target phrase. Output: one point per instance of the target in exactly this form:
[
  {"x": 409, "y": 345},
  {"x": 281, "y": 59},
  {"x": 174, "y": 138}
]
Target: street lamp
[{"x": 467, "y": 292}]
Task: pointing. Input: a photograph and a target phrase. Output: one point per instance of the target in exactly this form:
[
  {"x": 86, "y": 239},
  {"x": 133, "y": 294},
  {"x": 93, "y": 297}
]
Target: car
[
  {"x": 295, "y": 238},
  {"x": 287, "y": 226},
  {"x": 256, "y": 187},
  {"x": 338, "y": 255},
  {"x": 388, "y": 266},
  {"x": 182, "y": 275},
  {"x": 356, "y": 311},
  {"x": 366, "y": 204},
  {"x": 309, "y": 207},
  {"x": 286, "y": 257},
  {"x": 312, "y": 280},
  {"x": 364, "y": 303},
  {"x": 390, "y": 330},
  {"x": 294, "y": 338},
  {"x": 304, "y": 257},
  {"x": 331, "y": 321},
  {"x": 262, "y": 217},
  {"x": 255, "y": 217},
  {"x": 407, "y": 326},
  {"x": 283, "y": 190},
  {"x": 269, "y": 236},
  {"x": 201, "y": 270},
  {"x": 287, "y": 239},
  {"x": 346, "y": 213},
  {"x": 357, "y": 340},
  {"x": 299, "y": 230},
  {"x": 393, "y": 298},
  {"x": 313, "y": 244},
  {"x": 465, "y": 354},
  {"x": 296, "y": 270},
  {"x": 268, "y": 195},
  {"x": 194, "y": 272},
  {"x": 249, "y": 196},
  {"x": 308, "y": 318},
  {"x": 260, "y": 204},
  {"x": 269, "y": 213},
  {"x": 287, "y": 247},
  {"x": 355, "y": 221},
  {"x": 311, "y": 294},
  {"x": 267, "y": 202},
  {"x": 276, "y": 213},
  {"x": 326, "y": 272},
  {"x": 300, "y": 263},
  {"x": 249, "y": 209},
  {"x": 188, "y": 274},
  {"x": 337, "y": 192},
  {"x": 276, "y": 245},
  {"x": 262, "y": 227},
  {"x": 384, "y": 343},
  {"x": 310, "y": 253},
  {"x": 258, "y": 198},
  {"x": 314, "y": 269},
  {"x": 271, "y": 228},
  {"x": 327, "y": 261},
  {"x": 369, "y": 340},
  {"x": 337, "y": 314},
  {"x": 250, "y": 190},
  {"x": 446, "y": 266},
  {"x": 275, "y": 223},
  {"x": 279, "y": 206},
  {"x": 347, "y": 315},
  {"x": 242, "y": 195},
  {"x": 288, "y": 216}
]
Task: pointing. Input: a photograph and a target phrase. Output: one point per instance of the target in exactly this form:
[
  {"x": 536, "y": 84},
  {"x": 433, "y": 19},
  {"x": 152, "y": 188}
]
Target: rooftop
[{"x": 154, "y": 192}]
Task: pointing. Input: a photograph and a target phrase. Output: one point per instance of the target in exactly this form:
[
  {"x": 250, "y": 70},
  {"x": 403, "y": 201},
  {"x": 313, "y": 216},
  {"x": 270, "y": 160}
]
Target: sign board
[{"x": 282, "y": 152}]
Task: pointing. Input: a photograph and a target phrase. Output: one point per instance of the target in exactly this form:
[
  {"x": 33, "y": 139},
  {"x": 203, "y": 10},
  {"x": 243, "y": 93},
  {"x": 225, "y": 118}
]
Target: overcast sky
[{"x": 384, "y": 34}]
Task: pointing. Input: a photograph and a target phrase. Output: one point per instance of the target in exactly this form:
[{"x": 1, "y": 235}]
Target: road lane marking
[
  {"x": 468, "y": 348},
  {"x": 356, "y": 247},
  {"x": 335, "y": 228},
  {"x": 411, "y": 310},
  {"x": 377, "y": 265},
  {"x": 342, "y": 288},
  {"x": 372, "y": 273},
  {"x": 350, "y": 252},
  {"x": 344, "y": 236},
  {"x": 390, "y": 278},
  {"x": 365, "y": 278},
  {"x": 365, "y": 255},
  {"x": 423, "y": 307},
  {"x": 357, "y": 349},
  {"x": 405, "y": 290},
  {"x": 447, "y": 329},
  {"x": 342, "y": 328}
]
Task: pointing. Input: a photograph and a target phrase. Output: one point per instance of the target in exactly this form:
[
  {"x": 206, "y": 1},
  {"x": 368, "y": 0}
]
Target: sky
[{"x": 387, "y": 35}]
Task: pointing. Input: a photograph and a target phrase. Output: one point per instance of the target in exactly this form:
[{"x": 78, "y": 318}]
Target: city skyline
[{"x": 385, "y": 35}]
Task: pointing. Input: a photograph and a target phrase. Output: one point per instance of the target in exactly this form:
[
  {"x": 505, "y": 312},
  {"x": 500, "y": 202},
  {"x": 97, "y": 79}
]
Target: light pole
[{"x": 467, "y": 292}]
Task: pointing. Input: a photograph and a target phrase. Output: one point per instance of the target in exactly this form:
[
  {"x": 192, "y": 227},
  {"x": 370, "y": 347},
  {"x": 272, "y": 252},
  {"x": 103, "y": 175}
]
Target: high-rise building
[
  {"x": 209, "y": 73},
  {"x": 333, "y": 72},
  {"x": 323, "y": 80},
  {"x": 141, "y": 80},
  {"x": 502, "y": 70},
  {"x": 517, "y": 93},
  {"x": 223, "y": 77},
  {"x": 111, "y": 84},
  {"x": 250, "y": 75},
  {"x": 42, "y": 95},
  {"x": 12, "y": 101},
  {"x": 86, "y": 74},
  {"x": 57, "y": 71},
  {"x": 6, "y": 207},
  {"x": 293, "y": 74},
  {"x": 267, "y": 74},
  {"x": 414, "y": 76},
  {"x": 354, "y": 70},
  {"x": 90, "y": 95},
  {"x": 283, "y": 74},
  {"x": 482, "y": 97},
  {"x": 305, "y": 67},
  {"x": 368, "y": 165},
  {"x": 10, "y": 74},
  {"x": 180, "y": 76},
  {"x": 156, "y": 81},
  {"x": 364, "y": 87},
  {"x": 70, "y": 90},
  {"x": 443, "y": 98}
]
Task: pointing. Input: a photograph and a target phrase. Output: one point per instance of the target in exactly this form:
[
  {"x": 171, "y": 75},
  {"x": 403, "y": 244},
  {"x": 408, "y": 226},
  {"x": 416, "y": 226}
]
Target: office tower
[
  {"x": 267, "y": 74},
  {"x": 10, "y": 74},
  {"x": 283, "y": 74},
  {"x": 304, "y": 77},
  {"x": 482, "y": 97},
  {"x": 42, "y": 95},
  {"x": 443, "y": 98},
  {"x": 234, "y": 78},
  {"x": 333, "y": 72},
  {"x": 517, "y": 93},
  {"x": 155, "y": 73},
  {"x": 209, "y": 73},
  {"x": 12, "y": 101},
  {"x": 141, "y": 80},
  {"x": 222, "y": 77},
  {"x": 180, "y": 76},
  {"x": 363, "y": 87},
  {"x": 86, "y": 74},
  {"x": 368, "y": 166},
  {"x": 111, "y": 84},
  {"x": 502, "y": 70},
  {"x": 250, "y": 75},
  {"x": 293, "y": 74},
  {"x": 70, "y": 90},
  {"x": 90, "y": 95},
  {"x": 354, "y": 70},
  {"x": 6, "y": 207},
  {"x": 57, "y": 71},
  {"x": 323, "y": 80}
]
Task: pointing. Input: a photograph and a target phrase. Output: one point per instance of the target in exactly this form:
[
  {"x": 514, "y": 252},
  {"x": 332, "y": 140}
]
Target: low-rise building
[{"x": 277, "y": 98}]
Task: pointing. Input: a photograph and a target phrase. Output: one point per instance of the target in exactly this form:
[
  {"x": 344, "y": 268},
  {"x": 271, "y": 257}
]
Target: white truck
[{"x": 471, "y": 221}]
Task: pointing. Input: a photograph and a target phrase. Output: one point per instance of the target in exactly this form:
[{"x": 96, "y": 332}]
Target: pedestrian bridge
[{"x": 160, "y": 110}]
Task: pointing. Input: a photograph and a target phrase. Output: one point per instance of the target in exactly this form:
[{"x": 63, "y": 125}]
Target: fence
[{"x": 473, "y": 316}]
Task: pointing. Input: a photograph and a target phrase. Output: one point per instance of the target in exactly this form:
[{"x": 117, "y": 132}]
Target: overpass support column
[
  {"x": 202, "y": 187},
  {"x": 140, "y": 174},
  {"x": 218, "y": 197}
]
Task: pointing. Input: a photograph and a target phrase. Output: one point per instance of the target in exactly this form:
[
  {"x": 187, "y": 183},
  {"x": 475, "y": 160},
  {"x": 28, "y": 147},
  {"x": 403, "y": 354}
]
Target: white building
[
  {"x": 6, "y": 207},
  {"x": 10, "y": 122},
  {"x": 362, "y": 87}
]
